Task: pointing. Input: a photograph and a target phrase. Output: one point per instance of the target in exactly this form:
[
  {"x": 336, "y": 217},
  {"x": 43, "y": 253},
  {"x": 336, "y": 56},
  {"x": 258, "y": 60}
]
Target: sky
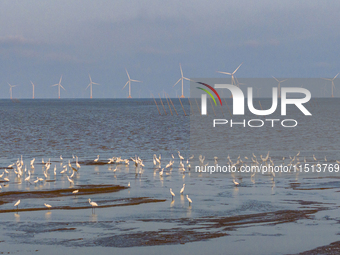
[{"x": 42, "y": 40}]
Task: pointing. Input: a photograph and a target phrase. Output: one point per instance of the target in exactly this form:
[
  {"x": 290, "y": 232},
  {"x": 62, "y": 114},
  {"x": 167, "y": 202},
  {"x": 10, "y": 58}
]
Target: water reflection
[
  {"x": 48, "y": 215},
  {"x": 17, "y": 217},
  {"x": 235, "y": 191},
  {"x": 189, "y": 211},
  {"x": 93, "y": 218},
  {"x": 182, "y": 199}
]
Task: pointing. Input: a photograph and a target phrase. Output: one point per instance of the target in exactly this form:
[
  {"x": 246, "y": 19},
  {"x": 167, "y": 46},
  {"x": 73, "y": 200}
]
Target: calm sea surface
[{"x": 290, "y": 213}]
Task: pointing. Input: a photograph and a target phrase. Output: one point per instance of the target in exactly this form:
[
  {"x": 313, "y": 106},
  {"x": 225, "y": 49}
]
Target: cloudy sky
[{"x": 42, "y": 40}]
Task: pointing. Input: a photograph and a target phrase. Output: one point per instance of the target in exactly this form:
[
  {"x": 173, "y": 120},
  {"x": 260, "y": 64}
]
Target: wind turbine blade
[
  {"x": 32, "y": 83},
  {"x": 276, "y": 79},
  {"x": 54, "y": 85},
  {"x": 63, "y": 88},
  {"x": 60, "y": 79},
  {"x": 125, "y": 84},
  {"x": 135, "y": 80},
  {"x": 127, "y": 74},
  {"x": 186, "y": 79},
  {"x": 181, "y": 69},
  {"x": 177, "y": 81},
  {"x": 335, "y": 76},
  {"x": 90, "y": 78},
  {"x": 9, "y": 84},
  {"x": 326, "y": 79},
  {"x": 95, "y": 83},
  {"x": 237, "y": 68},
  {"x": 223, "y": 72},
  {"x": 284, "y": 80},
  {"x": 88, "y": 86}
]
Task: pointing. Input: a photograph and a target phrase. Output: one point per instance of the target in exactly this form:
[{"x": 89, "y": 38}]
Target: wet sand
[{"x": 143, "y": 217}]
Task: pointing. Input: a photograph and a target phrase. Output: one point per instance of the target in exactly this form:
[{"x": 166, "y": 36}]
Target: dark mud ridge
[
  {"x": 331, "y": 249},
  {"x": 314, "y": 186},
  {"x": 9, "y": 197},
  {"x": 182, "y": 230}
]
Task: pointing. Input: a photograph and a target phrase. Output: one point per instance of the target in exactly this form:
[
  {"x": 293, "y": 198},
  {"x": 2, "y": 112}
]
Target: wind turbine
[
  {"x": 59, "y": 85},
  {"x": 129, "y": 82},
  {"x": 90, "y": 85},
  {"x": 10, "y": 89},
  {"x": 181, "y": 79},
  {"x": 33, "y": 88},
  {"x": 279, "y": 85},
  {"x": 332, "y": 80},
  {"x": 232, "y": 74}
]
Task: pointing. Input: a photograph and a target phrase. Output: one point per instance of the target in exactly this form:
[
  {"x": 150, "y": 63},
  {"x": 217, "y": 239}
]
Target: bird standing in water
[{"x": 172, "y": 194}]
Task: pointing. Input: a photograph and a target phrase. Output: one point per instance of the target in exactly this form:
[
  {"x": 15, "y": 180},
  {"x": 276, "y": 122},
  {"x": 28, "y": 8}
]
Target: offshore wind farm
[{"x": 319, "y": 91}]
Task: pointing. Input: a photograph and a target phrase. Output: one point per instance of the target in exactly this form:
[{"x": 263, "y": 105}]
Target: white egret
[
  {"x": 47, "y": 205},
  {"x": 17, "y": 204},
  {"x": 96, "y": 160},
  {"x": 94, "y": 204},
  {"x": 182, "y": 189},
  {"x": 75, "y": 192},
  {"x": 190, "y": 201},
  {"x": 161, "y": 172},
  {"x": 70, "y": 180},
  {"x": 172, "y": 194},
  {"x": 27, "y": 179},
  {"x": 77, "y": 164}
]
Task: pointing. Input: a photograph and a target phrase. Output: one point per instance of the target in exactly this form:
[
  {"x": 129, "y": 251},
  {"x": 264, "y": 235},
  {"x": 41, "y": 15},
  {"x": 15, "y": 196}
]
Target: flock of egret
[{"x": 22, "y": 172}]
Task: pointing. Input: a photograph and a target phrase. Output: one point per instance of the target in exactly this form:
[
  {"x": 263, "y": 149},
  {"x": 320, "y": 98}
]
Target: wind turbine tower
[
  {"x": 181, "y": 79},
  {"x": 279, "y": 86},
  {"x": 232, "y": 74},
  {"x": 10, "y": 89},
  {"x": 332, "y": 80},
  {"x": 33, "y": 89},
  {"x": 90, "y": 85},
  {"x": 59, "y": 85},
  {"x": 129, "y": 82}
]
